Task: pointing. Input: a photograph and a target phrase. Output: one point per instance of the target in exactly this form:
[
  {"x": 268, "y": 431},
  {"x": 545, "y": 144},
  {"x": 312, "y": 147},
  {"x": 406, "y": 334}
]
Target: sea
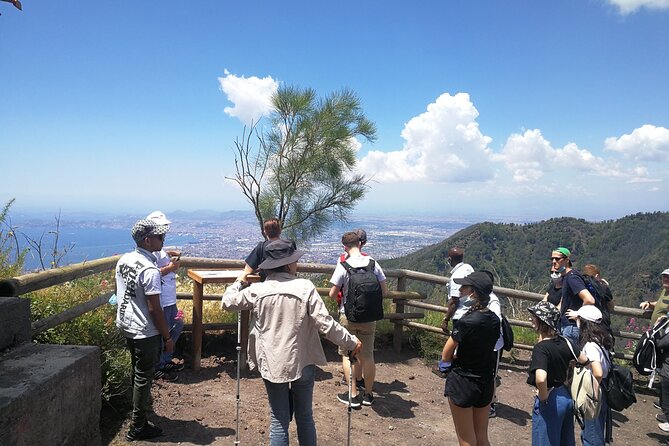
[{"x": 229, "y": 235}]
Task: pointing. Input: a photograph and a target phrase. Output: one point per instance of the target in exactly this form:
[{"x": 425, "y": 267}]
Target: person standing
[
  {"x": 140, "y": 318},
  {"x": 575, "y": 294},
  {"x": 284, "y": 342},
  {"x": 365, "y": 368},
  {"x": 596, "y": 342},
  {"x": 457, "y": 306},
  {"x": 470, "y": 385},
  {"x": 168, "y": 263},
  {"x": 553, "y": 413},
  {"x": 271, "y": 229}
]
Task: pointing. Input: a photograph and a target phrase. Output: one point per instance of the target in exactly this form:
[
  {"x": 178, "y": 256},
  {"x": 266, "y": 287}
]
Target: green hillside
[{"x": 631, "y": 252}]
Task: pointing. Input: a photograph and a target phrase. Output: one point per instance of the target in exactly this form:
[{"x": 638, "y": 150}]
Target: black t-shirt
[
  {"x": 554, "y": 293},
  {"x": 476, "y": 333},
  {"x": 553, "y": 356},
  {"x": 257, "y": 255}
]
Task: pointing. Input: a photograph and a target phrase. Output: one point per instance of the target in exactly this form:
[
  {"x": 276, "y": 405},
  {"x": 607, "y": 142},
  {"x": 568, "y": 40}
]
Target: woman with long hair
[
  {"x": 552, "y": 416},
  {"x": 471, "y": 382},
  {"x": 596, "y": 342}
]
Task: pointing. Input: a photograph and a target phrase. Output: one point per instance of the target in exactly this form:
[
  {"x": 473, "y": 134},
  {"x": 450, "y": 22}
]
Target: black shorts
[{"x": 465, "y": 391}]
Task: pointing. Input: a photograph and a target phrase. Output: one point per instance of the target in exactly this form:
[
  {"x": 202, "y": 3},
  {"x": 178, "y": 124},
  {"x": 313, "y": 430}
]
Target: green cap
[{"x": 564, "y": 251}]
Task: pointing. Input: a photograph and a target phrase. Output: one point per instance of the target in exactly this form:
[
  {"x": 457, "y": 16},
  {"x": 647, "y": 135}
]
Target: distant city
[{"x": 229, "y": 235}]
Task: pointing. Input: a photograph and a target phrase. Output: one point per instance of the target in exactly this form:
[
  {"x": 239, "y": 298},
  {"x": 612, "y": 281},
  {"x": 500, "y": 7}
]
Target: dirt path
[{"x": 409, "y": 409}]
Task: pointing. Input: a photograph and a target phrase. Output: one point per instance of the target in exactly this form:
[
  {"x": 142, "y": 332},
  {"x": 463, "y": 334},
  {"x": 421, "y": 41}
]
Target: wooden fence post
[{"x": 399, "y": 308}]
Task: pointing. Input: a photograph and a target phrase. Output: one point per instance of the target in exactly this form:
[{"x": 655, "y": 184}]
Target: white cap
[
  {"x": 158, "y": 217},
  {"x": 665, "y": 272},
  {"x": 590, "y": 313}
]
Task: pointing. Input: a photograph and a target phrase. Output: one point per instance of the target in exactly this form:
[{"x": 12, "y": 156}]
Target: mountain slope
[{"x": 631, "y": 252}]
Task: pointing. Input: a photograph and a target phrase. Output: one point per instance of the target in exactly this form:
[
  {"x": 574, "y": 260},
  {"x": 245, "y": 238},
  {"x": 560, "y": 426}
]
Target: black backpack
[
  {"x": 645, "y": 353},
  {"x": 364, "y": 300},
  {"x": 619, "y": 386},
  {"x": 507, "y": 334}
]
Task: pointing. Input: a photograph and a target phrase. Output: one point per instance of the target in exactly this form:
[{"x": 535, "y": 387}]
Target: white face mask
[
  {"x": 467, "y": 297},
  {"x": 555, "y": 275}
]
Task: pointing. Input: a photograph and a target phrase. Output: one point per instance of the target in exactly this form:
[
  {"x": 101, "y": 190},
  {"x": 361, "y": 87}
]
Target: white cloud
[
  {"x": 252, "y": 96},
  {"x": 646, "y": 143},
  {"x": 630, "y": 6},
  {"x": 443, "y": 144}
]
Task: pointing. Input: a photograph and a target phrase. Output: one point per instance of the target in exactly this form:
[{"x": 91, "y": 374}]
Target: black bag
[
  {"x": 507, "y": 334},
  {"x": 619, "y": 386},
  {"x": 363, "y": 299},
  {"x": 645, "y": 353}
]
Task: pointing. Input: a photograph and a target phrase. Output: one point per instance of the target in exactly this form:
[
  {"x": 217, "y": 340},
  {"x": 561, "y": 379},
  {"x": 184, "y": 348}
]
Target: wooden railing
[{"x": 401, "y": 298}]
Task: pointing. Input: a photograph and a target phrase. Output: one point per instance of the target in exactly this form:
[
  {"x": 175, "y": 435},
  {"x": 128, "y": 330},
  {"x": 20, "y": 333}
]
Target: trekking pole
[
  {"x": 239, "y": 360},
  {"x": 351, "y": 360}
]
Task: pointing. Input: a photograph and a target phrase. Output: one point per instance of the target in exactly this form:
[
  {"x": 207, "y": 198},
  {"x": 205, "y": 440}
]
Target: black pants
[{"x": 144, "y": 354}]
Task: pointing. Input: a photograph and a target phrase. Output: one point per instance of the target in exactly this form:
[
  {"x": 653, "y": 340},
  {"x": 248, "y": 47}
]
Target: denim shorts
[{"x": 465, "y": 391}]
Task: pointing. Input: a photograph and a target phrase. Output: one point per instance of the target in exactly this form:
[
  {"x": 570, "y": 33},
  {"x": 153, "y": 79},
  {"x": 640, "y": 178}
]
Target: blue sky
[{"x": 489, "y": 108}]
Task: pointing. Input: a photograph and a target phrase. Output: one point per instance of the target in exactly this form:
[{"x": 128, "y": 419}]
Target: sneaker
[
  {"x": 493, "y": 411},
  {"x": 355, "y": 401},
  {"x": 656, "y": 404},
  {"x": 664, "y": 427},
  {"x": 661, "y": 418},
  {"x": 173, "y": 367},
  {"x": 164, "y": 376},
  {"x": 360, "y": 384},
  {"x": 144, "y": 433},
  {"x": 367, "y": 399}
]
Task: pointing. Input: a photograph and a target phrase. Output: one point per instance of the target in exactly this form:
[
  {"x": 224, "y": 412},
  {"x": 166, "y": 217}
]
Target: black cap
[{"x": 480, "y": 280}]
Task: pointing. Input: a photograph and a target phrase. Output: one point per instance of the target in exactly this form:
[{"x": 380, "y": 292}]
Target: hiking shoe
[
  {"x": 162, "y": 375},
  {"x": 173, "y": 367},
  {"x": 664, "y": 427},
  {"x": 493, "y": 411},
  {"x": 355, "y": 401},
  {"x": 144, "y": 433},
  {"x": 661, "y": 418},
  {"x": 367, "y": 399},
  {"x": 360, "y": 384}
]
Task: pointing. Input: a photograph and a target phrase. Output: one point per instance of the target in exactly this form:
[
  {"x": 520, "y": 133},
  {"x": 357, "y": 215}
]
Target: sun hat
[
  {"x": 562, "y": 250},
  {"x": 547, "y": 313},
  {"x": 481, "y": 281},
  {"x": 158, "y": 217},
  {"x": 590, "y": 313},
  {"x": 279, "y": 253},
  {"x": 147, "y": 228}
]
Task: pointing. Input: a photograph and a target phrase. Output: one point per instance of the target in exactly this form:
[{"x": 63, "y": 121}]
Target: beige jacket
[{"x": 287, "y": 315}]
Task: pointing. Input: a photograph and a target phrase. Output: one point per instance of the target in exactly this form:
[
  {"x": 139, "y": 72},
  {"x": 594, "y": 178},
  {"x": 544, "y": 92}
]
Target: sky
[{"x": 517, "y": 109}]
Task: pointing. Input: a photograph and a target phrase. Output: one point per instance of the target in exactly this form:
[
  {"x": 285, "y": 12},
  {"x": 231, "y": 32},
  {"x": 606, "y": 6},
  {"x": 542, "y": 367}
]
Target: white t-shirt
[
  {"x": 168, "y": 294},
  {"x": 459, "y": 271},
  {"x": 496, "y": 308},
  {"x": 340, "y": 277},
  {"x": 594, "y": 353}
]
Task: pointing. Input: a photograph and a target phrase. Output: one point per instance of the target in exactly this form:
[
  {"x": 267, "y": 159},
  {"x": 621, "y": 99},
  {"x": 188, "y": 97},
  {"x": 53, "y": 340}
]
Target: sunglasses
[
  {"x": 557, "y": 259},
  {"x": 161, "y": 236}
]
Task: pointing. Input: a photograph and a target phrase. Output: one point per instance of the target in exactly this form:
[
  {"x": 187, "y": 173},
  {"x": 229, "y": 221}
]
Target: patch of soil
[{"x": 409, "y": 409}]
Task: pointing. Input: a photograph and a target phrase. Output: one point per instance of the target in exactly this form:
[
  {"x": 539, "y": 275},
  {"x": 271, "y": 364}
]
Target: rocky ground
[{"x": 409, "y": 409}]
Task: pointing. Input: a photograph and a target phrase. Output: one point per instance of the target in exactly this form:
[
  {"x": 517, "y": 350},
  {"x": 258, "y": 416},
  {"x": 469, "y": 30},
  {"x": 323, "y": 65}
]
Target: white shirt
[
  {"x": 168, "y": 294},
  {"x": 496, "y": 308},
  {"x": 594, "y": 353}
]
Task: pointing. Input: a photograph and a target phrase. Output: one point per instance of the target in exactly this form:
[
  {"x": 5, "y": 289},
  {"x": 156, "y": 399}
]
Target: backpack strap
[
  {"x": 571, "y": 348},
  {"x": 347, "y": 266}
]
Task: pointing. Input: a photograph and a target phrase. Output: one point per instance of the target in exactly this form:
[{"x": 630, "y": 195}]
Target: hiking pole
[
  {"x": 239, "y": 360},
  {"x": 351, "y": 360}
]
